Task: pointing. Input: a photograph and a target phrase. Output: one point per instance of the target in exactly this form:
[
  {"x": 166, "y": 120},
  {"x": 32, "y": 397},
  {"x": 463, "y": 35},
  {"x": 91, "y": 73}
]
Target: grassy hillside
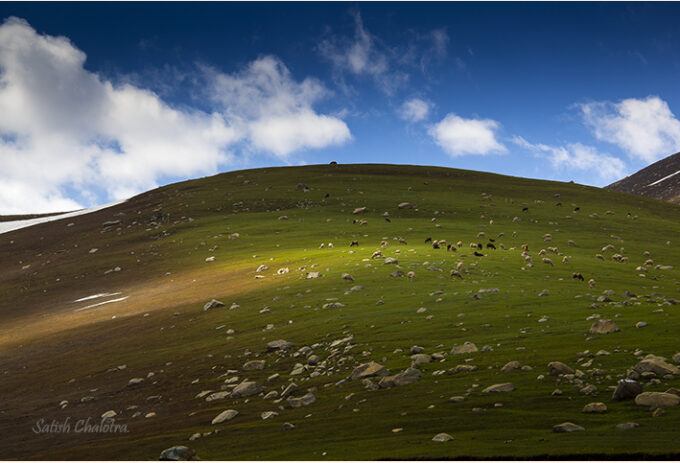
[{"x": 54, "y": 349}]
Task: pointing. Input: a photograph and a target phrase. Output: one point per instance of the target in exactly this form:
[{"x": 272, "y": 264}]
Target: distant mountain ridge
[{"x": 660, "y": 180}]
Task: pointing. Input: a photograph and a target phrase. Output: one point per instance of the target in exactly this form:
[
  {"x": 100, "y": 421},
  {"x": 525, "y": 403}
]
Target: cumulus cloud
[
  {"x": 414, "y": 110},
  {"x": 459, "y": 137},
  {"x": 275, "y": 111},
  {"x": 70, "y": 138},
  {"x": 576, "y": 156},
  {"x": 644, "y": 128}
]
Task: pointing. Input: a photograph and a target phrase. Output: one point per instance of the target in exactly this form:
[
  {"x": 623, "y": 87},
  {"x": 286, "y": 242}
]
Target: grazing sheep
[
  {"x": 609, "y": 212},
  {"x": 514, "y": 234},
  {"x": 501, "y": 235},
  {"x": 617, "y": 238},
  {"x": 558, "y": 204},
  {"x": 459, "y": 266},
  {"x": 624, "y": 260},
  {"x": 402, "y": 241},
  {"x": 565, "y": 260},
  {"x": 428, "y": 239},
  {"x": 502, "y": 246},
  {"x": 576, "y": 209},
  {"x": 347, "y": 276},
  {"x": 525, "y": 247},
  {"x": 553, "y": 250},
  {"x": 541, "y": 252},
  {"x": 473, "y": 245},
  {"x": 577, "y": 276},
  {"x": 330, "y": 245},
  {"x": 479, "y": 246},
  {"x": 547, "y": 237},
  {"x": 481, "y": 235},
  {"x": 387, "y": 219},
  {"x": 608, "y": 247},
  {"x": 322, "y": 246},
  {"x": 571, "y": 243},
  {"x": 525, "y": 209},
  {"x": 234, "y": 236},
  {"x": 353, "y": 243},
  {"x": 435, "y": 245},
  {"x": 478, "y": 254},
  {"x": 648, "y": 263},
  {"x": 490, "y": 246},
  {"x": 377, "y": 254},
  {"x": 599, "y": 256},
  {"x": 591, "y": 283},
  {"x": 455, "y": 273},
  {"x": 441, "y": 243},
  {"x": 640, "y": 269},
  {"x": 547, "y": 261},
  {"x": 617, "y": 257},
  {"x": 411, "y": 275},
  {"x": 646, "y": 253},
  {"x": 383, "y": 244},
  {"x": 515, "y": 219},
  {"x": 451, "y": 247}
]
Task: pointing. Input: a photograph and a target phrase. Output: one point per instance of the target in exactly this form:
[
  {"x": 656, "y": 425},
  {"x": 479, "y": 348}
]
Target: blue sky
[{"x": 102, "y": 101}]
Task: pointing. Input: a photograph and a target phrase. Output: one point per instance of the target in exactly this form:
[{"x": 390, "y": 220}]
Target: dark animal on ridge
[
  {"x": 525, "y": 209},
  {"x": 353, "y": 243},
  {"x": 387, "y": 219},
  {"x": 577, "y": 276},
  {"x": 490, "y": 246},
  {"x": 427, "y": 240}
]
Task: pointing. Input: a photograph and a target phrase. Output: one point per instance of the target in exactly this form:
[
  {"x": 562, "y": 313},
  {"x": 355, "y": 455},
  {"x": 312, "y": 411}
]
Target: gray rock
[
  {"x": 224, "y": 416},
  {"x": 367, "y": 370},
  {"x": 287, "y": 426},
  {"x": 416, "y": 349},
  {"x": 466, "y": 348},
  {"x": 657, "y": 365},
  {"x": 595, "y": 407},
  {"x": 503, "y": 387},
  {"x": 408, "y": 376},
  {"x": 213, "y": 304},
  {"x": 246, "y": 389},
  {"x": 135, "y": 381},
  {"x": 292, "y": 387},
  {"x": 657, "y": 399},
  {"x": 627, "y": 389},
  {"x": 279, "y": 344},
  {"x": 603, "y": 327},
  {"x": 559, "y": 368},
  {"x": 254, "y": 365},
  {"x": 567, "y": 427},
  {"x": 390, "y": 260},
  {"x": 268, "y": 414},
  {"x": 442, "y": 437},
  {"x": 178, "y": 453},
  {"x": 512, "y": 365},
  {"x": 297, "y": 402},
  {"x": 421, "y": 359},
  {"x": 217, "y": 396}
]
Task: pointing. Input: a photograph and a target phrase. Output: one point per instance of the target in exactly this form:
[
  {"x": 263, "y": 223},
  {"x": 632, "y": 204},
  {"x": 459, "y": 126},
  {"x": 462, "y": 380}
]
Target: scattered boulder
[
  {"x": 391, "y": 260},
  {"x": 420, "y": 359},
  {"x": 178, "y": 453},
  {"x": 297, "y": 402},
  {"x": 213, "y": 304},
  {"x": 367, "y": 370},
  {"x": 279, "y": 344},
  {"x": 466, "y": 348},
  {"x": 559, "y": 368},
  {"x": 627, "y": 389},
  {"x": 595, "y": 407},
  {"x": 135, "y": 381},
  {"x": 268, "y": 414},
  {"x": 442, "y": 437},
  {"x": 502, "y": 387},
  {"x": 253, "y": 365},
  {"x": 603, "y": 327},
  {"x": 567, "y": 426},
  {"x": 657, "y": 399},
  {"x": 224, "y": 416},
  {"x": 657, "y": 365},
  {"x": 246, "y": 389},
  {"x": 408, "y": 376},
  {"x": 512, "y": 365}
]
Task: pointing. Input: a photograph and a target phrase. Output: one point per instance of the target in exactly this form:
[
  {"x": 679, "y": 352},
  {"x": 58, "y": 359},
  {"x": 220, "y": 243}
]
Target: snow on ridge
[
  {"x": 665, "y": 178},
  {"x": 17, "y": 224}
]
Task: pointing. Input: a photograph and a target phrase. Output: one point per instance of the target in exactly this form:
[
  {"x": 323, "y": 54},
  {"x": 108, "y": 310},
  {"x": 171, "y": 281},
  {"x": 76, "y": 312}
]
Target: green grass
[{"x": 507, "y": 320}]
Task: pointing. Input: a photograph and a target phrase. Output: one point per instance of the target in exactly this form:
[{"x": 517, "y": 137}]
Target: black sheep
[
  {"x": 478, "y": 254},
  {"x": 427, "y": 240},
  {"x": 525, "y": 209},
  {"x": 353, "y": 243},
  {"x": 577, "y": 276},
  {"x": 490, "y": 246}
]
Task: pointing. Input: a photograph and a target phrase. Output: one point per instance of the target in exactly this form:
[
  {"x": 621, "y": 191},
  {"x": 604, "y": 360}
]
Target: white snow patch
[
  {"x": 101, "y": 303},
  {"x": 17, "y": 224},
  {"x": 95, "y": 296},
  {"x": 665, "y": 178}
]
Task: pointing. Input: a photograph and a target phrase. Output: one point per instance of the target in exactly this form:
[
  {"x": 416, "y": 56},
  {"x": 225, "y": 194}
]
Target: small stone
[
  {"x": 213, "y": 304},
  {"x": 512, "y": 365},
  {"x": 224, "y": 416},
  {"x": 178, "y": 453},
  {"x": 109, "y": 414},
  {"x": 603, "y": 327},
  {"x": 253, "y": 365},
  {"x": 268, "y": 414},
  {"x": 595, "y": 407},
  {"x": 567, "y": 427},
  {"x": 627, "y": 426},
  {"x": 287, "y": 426},
  {"x": 466, "y": 348},
  {"x": 442, "y": 437},
  {"x": 503, "y": 387}
]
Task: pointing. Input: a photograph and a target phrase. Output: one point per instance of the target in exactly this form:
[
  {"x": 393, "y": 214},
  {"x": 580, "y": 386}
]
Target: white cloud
[
  {"x": 69, "y": 138},
  {"x": 459, "y": 137},
  {"x": 414, "y": 110},
  {"x": 576, "y": 156},
  {"x": 644, "y": 128},
  {"x": 274, "y": 110}
]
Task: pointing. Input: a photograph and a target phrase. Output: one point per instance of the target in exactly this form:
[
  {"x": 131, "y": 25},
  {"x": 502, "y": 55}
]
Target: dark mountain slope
[{"x": 660, "y": 180}]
